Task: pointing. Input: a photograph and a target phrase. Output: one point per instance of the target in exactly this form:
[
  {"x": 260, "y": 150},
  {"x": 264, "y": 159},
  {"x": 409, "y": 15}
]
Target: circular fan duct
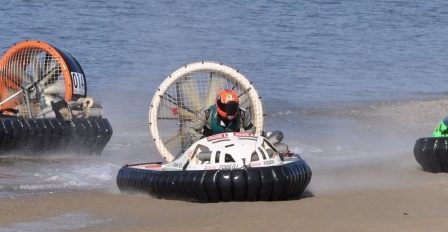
[
  {"x": 33, "y": 74},
  {"x": 186, "y": 92}
]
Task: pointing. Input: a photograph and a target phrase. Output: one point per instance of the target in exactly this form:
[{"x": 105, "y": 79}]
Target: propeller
[
  {"x": 17, "y": 74},
  {"x": 12, "y": 79},
  {"x": 175, "y": 109},
  {"x": 185, "y": 92},
  {"x": 50, "y": 72},
  {"x": 175, "y": 139},
  {"x": 215, "y": 83},
  {"x": 45, "y": 72},
  {"x": 244, "y": 100},
  {"x": 188, "y": 90},
  {"x": 34, "y": 70},
  {"x": 54, "y": 89}
]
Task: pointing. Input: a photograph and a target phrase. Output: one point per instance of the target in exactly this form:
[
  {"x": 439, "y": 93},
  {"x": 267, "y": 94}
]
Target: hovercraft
[
  {"x": 432, "y": 152},
  {"x": 235, "y": 166},
  {"x": 44, "y": 107}
]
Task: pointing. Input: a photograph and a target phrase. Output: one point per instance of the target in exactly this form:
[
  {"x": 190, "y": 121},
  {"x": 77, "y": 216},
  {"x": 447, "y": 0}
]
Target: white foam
[
  {"x": 68, "y": 176},
  {"x": 65, "y": 222}
]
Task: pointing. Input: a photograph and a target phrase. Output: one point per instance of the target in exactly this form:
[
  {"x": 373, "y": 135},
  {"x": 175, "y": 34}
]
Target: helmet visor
[{"x": 231, "y": 108}]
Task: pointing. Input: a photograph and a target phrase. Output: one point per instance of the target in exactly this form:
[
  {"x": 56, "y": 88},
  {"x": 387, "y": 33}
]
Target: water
[
  {"x": 66, "y": 222},
  {"x": 302, "y": 56},
  {"x": 304, "y": 52}
]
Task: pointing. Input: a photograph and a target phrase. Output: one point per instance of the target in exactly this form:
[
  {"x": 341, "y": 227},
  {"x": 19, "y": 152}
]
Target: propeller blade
[
  {"x": 184, "y": 114},
  {"x": 215, "y": 84},
  {"x": 189, "y": 94},
  {"x": 172, "y": 110},
  {"x": 34, "y": 68},
  {"x": 50, "y": 77},
  {"x": 244, "y": 100},
  {"x": 52, "y": 70},
  {"x": 178, "y": 142},
  {"x": 9, "y": 84},
  {"x": 17, "y": 73},
  {"x": 57, "y": 88},
  {"x": 175, "y": 139}
]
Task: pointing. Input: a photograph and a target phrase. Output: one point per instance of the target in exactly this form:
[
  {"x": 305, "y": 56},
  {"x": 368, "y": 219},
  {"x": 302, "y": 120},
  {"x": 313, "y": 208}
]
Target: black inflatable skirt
[
  {"x": 53, "y": 135},
  {"x": 432, "y": 153},
  {"x": 269, "y": 183}
]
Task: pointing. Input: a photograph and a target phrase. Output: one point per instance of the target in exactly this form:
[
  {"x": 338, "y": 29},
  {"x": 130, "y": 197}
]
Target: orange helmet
[{"x": 227, "y": 104}]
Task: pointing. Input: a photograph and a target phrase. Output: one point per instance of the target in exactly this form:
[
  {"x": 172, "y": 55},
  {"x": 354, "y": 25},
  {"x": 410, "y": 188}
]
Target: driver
[
  {"x": 224, "y": 116},
  {"x": 441, "y": 129}
]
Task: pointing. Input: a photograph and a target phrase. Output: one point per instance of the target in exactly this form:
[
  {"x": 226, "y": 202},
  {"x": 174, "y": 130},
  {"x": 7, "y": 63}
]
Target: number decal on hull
[{"x": 78, "y": 83}]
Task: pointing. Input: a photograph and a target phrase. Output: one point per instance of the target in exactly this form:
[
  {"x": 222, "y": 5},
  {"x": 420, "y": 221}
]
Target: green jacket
[
  {"x": 442, "y": 129},
  {"x": 207, "y": 122}
]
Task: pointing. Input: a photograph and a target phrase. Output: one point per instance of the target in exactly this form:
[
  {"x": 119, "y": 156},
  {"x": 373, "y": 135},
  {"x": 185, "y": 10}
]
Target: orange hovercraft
[{"x": 44, "y": 107}]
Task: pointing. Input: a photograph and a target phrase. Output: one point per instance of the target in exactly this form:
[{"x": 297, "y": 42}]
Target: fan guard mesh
[{"x": 186, "y": 92}]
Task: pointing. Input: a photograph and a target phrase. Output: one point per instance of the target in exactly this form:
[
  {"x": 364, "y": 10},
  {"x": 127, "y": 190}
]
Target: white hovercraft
[{"x": 237, "y": 166}]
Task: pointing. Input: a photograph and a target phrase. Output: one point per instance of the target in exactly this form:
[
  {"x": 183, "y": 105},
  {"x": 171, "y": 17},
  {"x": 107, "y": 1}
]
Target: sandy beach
[
  {"x": 416, "y": 208},
  {"x": 385, "y": 195}
]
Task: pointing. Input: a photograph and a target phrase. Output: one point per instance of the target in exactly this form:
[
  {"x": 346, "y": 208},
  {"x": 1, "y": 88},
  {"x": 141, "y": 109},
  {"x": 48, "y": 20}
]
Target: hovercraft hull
[
  {"x": 41, "y": 136},
  {"x": 271, "y": 183},
  {"x": 432, "y": 153}
]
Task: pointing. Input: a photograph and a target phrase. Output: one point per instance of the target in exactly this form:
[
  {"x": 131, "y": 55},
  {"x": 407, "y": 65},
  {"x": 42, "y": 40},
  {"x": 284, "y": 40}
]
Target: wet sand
[
  {"x": 416, "y": 208},
  {"x": 387, "y": 195}
]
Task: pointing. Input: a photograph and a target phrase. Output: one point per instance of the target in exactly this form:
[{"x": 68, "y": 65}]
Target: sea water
[{"x": 307, "y": 59}]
